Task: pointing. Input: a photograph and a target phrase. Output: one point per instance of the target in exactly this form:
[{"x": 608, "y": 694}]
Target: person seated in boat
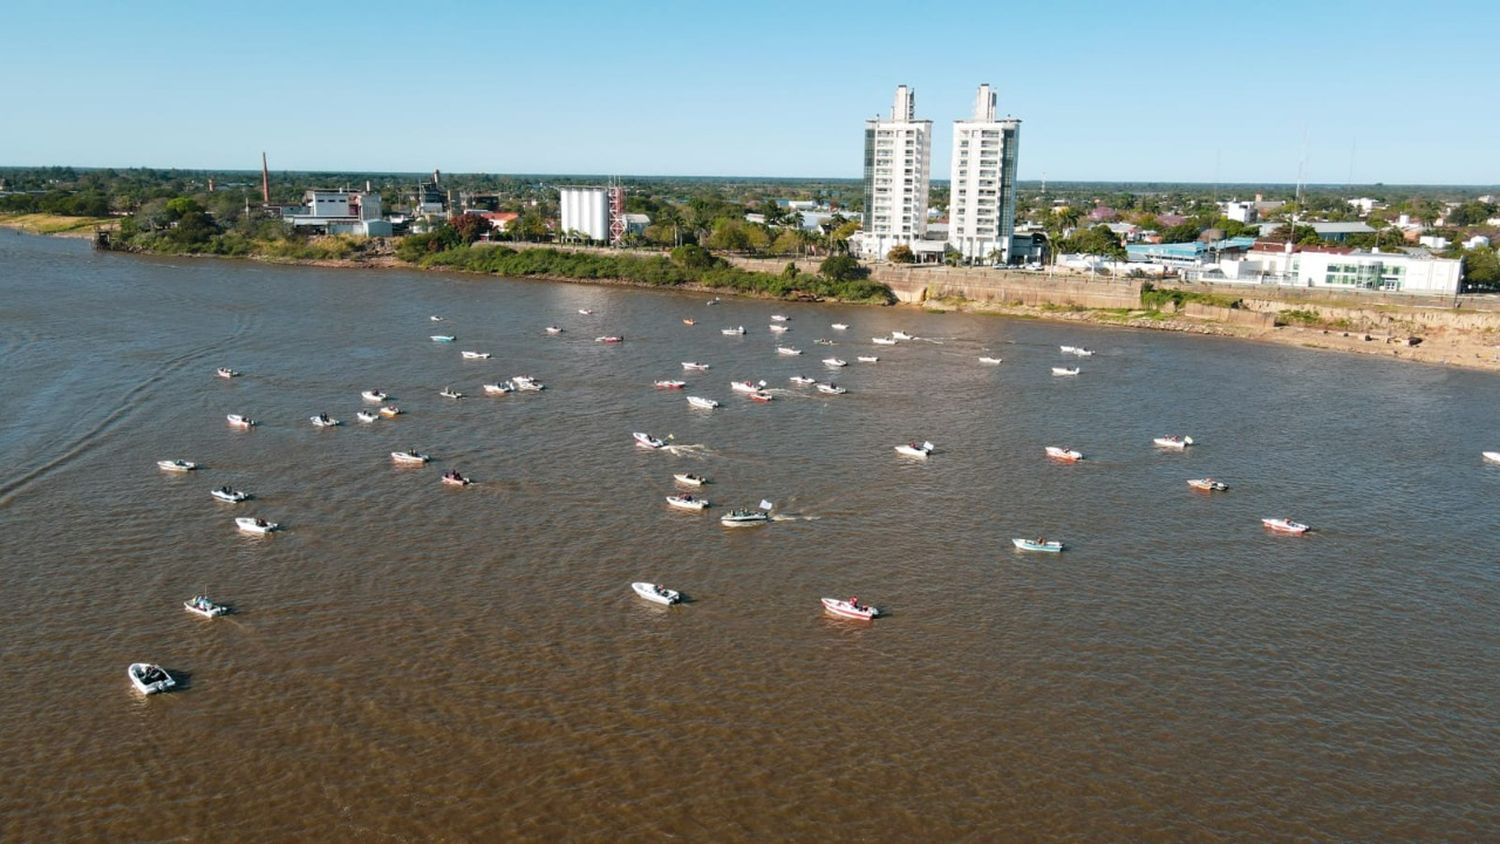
[{"x": 854, "y": 602}]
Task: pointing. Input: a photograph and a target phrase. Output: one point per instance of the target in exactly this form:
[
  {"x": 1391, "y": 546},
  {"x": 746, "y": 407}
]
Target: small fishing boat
[
  {"x": 176, "y": 465},
  {"x": 787, "y": 350},
  {"x": 989, "y": 360},
  {"x": 832, "y": 389},
  {"x": 761, "y": 396},
  {"x": 1083, "y": 353},
  {"x": 323, "y": 420},
  {"x": 851, "y": 608},
  {"x": 802, "y": 379},
  {"x": 690, "y": 479},
  {"x": 149, "y": 679},
  {"x": 1064, "y": 453},
  {"x": 687, "y": 502},
  {"x": 475, "y": 355},
  {"x": 669, "y": 385},
  {"x": 746, "y": 386},
  {"x": 226, "y": 372},
  {"x": 1285, "y": 526},
  {"x": 659, "y": 594},
  {"x": 824, "y": 341},
  {"x": 839, "y": 326},
  {"x": 1173, "y": 442},
  {"x": 744, "y": 518},
  {"x": 1207, "y": 484},
  {"x": 1492, "y": 456},
  {"x": 647, "y": 441},
  {"x": 552, "y": 329},
  {"x": 255, "y": 525},
  {"x": 779, "y": 317},
  {"x": 883, "y": 341},
  {"x": 1067, "y": 350},
  {"x": 526, "y": 383},
  {"x": 499, "y": 389},
  {"x": 443, "y": 338},
  {"x": 435, "y": 318},
  {"x": 239, "y": 421},
  {"x": 373, "y": 395},
  {"x": 867, "y": 358},
  {"x": 205, "y": 606},
  {"x": 410, "y": 456},
  {"x": 901, "y": 335},
  {"x": 450, "y": 393},
  {"x": 229, "y": 495},
  {"x": 701, "y": 402},
  {"x": 714, "y": 301},
  {"x": 1064, "y": 370},
  {"x": 694, "y": 366},
  {"x": 366, "y": 416},
  {"x": 913, "y": 449},
  {"x": 835, "y": 362},
  {"x": 778, "y": 329},
  {"x": 1044, "y": 545},
  {"x": 452, "y": 477},
  {"x": 585, "y": 312},
  {"x": 736, "y": 330},
  {"x": 609, "y": 338},
  {"x": 686, "y": 321},
  {"x": 390, "y": 411}
]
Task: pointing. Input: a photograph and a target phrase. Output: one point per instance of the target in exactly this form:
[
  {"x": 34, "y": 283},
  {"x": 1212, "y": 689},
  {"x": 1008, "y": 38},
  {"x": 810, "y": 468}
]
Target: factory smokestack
[{"x": 265, "y": 181}]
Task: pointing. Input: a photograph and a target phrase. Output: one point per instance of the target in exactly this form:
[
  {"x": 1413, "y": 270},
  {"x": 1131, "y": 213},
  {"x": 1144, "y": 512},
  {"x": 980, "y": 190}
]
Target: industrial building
[
  {"x": 982, "y": 206},
  {"x": 339, "y": 212}
]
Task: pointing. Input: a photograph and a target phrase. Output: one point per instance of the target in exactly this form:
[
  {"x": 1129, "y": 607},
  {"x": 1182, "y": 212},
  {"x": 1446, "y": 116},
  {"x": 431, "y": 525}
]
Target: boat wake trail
[
  {"x": 697, "y": 450},
  {"x": 794, "y": 517}
]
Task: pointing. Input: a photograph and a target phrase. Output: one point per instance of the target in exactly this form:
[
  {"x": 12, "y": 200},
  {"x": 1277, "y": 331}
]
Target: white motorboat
[
  {"x": 1083, "y": 353},
  {"x": 687, "y": 502},
  {"x": 867, "y": 358},
  {"x": 701, "y": 402},
  {"x": 366, "y": 416},
  {"x": 654, "y": 592},
  {"x": 883, "y": 341},
  {"x": 1063, "y": 453},
  {"x": 778, "y": 329},
  {"x": 1492, "y": 456},
  {"x": 255, "y": 525},
  {"x": 687, "y": 321},
  {"x": 832, "y": 389},
  {"x": 746, "y": 386},
  {"x": 779, "y": 317},
  {"x": 476, "y": 355},
  {"x": 851, "y": 608},
  {"x": 1064, "y": 370},
  {"x": 802, "y": 379},
  {"x": 838, "y": 326},
  {"x": 410, "y": 456},
  {"x": 690, "y": 479},
  {"x": 761, "y": 396},
  {"x": 647, "y": 441},
  {"x": 373, "y": 395},
  {"x": 225, "y": 372},
  {"x": 176, "y": 465},
  {"x": 390, "y": 411},
  {"x": 835, "y": 362},
  {"x": 435, "y": 318},
  {"x": 323, "y": 420},
  {"x": 205, "y": 606},
  {"x": 901, "y": 335},
  {"x": 787, "y": 350},
  {"x": 824, "y": 341},
  {"x": 442, "y": 338},
  {"x": 149, "y": 679},
  {"x": 450, "y": 393},
  {"x": 1067, "y": 350},
  {"x": 989, "y": 360},
  {"x": 552, "y": 329},
  {"x": 585, "y": 312},
  {"x": 1044, "y": 545},
  {"x": 609, "y": 338},
  {"x": 452, "y": 477},
  {"x": 229, "y": 495},
  {"x": 1285, "y": 526},
  {"x": 526, "y": 383},
  {"x": 694, "y": 366},
  {"x": 499, "y": 389},
  {"x": 913, "y": 449},
  {"x": 1173, "y": 442},
  {"x": 744, "y": 518},
  {"x": 1207, "y": 484},
  {"x": 239, "y": 421},
  {"x": 736, "y": 330},
  {"x": 669, "y": 385}
]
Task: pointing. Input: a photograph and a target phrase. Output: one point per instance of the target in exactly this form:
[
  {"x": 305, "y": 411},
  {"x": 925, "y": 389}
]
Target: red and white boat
[
  {"x": 851, "y": 608},
  {"x": 647, "y": 441},
  {"x": 1286, "y": 526},
  {"x": 1207, "y": 484},
  {"x": 761, "y": 396},
  {"x": 453, "y": 478},
  {"x": 670, "y": 385},
  {"x": 746, "y": 386}
]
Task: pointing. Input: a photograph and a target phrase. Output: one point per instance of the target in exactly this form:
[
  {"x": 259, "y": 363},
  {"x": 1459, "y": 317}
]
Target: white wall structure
[
  {"x": 1386, "y": 272},
  {"x": 898, "y": 160},
  {"x": 339, "y": 212},
  {"x": 586, "y": 211},
  {"x": 982, "y": 205},
  {"x": 1240, "y": 212}
]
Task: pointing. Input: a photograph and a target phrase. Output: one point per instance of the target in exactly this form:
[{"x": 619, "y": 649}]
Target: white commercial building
[
  {"x": 898, "y": 156},
  {"x": 339, "y": 212},
  {"x": 585, "y": 211},
  {"x": 1389, "y": 272},
  {"x": 982, "y": 205},
  {"x": 1240, "y": 212}
]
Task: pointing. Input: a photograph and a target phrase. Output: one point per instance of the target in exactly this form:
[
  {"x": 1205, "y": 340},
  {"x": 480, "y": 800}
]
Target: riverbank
[{"x": 56, "y": 224}]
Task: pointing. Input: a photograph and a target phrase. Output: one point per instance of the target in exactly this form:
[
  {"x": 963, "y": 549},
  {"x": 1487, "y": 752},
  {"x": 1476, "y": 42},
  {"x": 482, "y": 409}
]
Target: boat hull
[
  {"x": 1042, "y": 547},
  {"x": 649, "y": 591},
  {"x": 137, "y": 671},
  {"x": 843, "y": 609}
]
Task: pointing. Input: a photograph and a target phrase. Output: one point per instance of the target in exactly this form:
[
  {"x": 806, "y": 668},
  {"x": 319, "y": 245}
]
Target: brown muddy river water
[{"x": 413, "y": 661}]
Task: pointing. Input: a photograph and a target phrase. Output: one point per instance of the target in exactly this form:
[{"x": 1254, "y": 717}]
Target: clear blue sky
[{"x": 1108, "y": 90}]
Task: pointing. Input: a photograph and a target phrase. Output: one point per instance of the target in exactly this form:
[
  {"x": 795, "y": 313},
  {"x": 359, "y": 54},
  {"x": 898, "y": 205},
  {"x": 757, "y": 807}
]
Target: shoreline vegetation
[{"x": 1385, "y": 330}]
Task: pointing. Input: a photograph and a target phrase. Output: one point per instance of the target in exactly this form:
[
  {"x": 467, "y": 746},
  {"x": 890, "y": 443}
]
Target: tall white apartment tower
[
  {"x": 898, "y": 157},
  {"x": 982, "y": 206}
]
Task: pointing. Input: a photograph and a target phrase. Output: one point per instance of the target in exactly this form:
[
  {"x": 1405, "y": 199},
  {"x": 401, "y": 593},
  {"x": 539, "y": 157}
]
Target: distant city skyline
[{"x": 1338, "y": 93}]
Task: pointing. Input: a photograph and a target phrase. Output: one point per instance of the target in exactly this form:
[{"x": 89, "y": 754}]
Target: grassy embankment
[{"x": 55, "y": 223}]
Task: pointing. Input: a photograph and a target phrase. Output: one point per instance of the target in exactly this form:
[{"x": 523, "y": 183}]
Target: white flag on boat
[
  {"x": 766, "y": 505},
  {"x": 928, "y": 446}
]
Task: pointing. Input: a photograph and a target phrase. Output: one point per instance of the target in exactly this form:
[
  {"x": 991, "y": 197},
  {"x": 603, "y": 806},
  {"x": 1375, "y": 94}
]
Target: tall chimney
[{"x": 265, "y": 181}]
